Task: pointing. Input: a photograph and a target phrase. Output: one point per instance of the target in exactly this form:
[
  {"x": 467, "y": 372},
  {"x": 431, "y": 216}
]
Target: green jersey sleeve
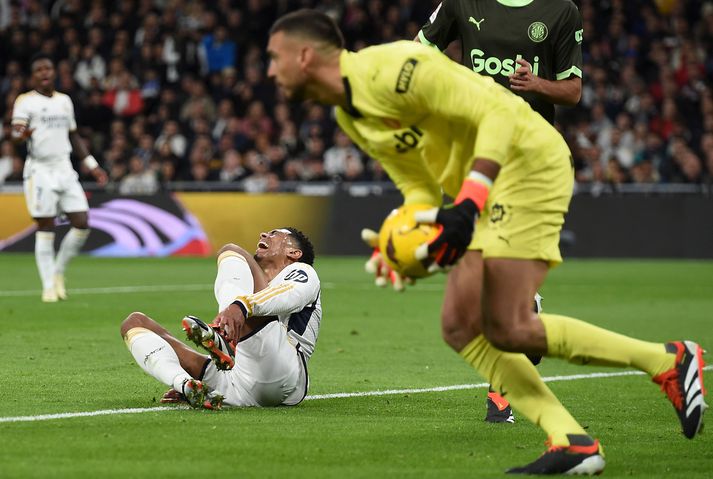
[
  {"x": 441, "y": 28},
  {"x": 568, "y": 49}
]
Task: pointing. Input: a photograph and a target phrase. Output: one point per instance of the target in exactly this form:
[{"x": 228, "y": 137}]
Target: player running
[
  {"x": 259, "y": 345},
  {"x": 436, "y": 127},
  {"x": 45, "y": 119}
]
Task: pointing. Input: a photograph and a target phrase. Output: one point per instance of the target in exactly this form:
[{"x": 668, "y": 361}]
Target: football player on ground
[
  {"x": 260, "y": 342},
  {"x": 436, "y": 126},
  {"x": 45, "y": 119},
  {"x": 532, "y": 47}
]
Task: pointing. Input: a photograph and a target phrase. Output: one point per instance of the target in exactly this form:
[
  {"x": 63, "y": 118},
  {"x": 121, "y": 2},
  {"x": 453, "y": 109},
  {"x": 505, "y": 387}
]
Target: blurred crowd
[{"x": 176, "y": 90}]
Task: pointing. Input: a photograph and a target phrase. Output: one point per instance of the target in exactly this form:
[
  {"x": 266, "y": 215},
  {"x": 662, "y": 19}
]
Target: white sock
[
  {"x": 69, "y": 248},
  {"x": 234, "y": 279},
  {"x": 156, "y": 357},
  {"x": 44, "y": 255}
]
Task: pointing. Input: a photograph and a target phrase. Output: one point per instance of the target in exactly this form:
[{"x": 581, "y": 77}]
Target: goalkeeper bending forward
[
  {"x": 269, "y": 308},
  {"x": 436, "y": 126}
]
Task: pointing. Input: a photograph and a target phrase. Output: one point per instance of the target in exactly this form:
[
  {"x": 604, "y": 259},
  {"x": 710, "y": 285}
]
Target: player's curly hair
[
  {"x": 311, "y": 24},
  {"x": 304, "y": 245}
]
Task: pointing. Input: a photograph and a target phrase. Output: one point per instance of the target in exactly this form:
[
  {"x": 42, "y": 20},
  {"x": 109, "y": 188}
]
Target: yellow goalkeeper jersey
[{"x": 426, "y": 118}]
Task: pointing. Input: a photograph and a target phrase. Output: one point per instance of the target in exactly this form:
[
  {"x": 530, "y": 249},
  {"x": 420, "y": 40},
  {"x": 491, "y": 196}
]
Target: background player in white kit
[
  {"x": 45, "y": 119},
  {"x": 269, "y": 304}
]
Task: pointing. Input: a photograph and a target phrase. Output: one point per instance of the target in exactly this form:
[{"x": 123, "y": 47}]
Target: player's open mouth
[{"x": 262, "y": 245}]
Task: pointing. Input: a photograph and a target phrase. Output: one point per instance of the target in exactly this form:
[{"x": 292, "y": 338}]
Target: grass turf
[{"x": 68, "y": 357}]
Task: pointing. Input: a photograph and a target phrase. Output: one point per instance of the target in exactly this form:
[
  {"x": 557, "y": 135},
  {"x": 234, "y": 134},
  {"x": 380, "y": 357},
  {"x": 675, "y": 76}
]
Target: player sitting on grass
[{"x": 261, "y": 340}]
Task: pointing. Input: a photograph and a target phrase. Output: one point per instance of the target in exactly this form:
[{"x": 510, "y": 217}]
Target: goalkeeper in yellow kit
[{"x": 437, "y": 129}]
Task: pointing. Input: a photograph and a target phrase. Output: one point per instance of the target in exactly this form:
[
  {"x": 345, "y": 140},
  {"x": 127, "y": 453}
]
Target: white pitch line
[
  {"x": 386, "y": 392},
  {"x": 179, "y": 287},
  {"x": 116, "y": 289}
]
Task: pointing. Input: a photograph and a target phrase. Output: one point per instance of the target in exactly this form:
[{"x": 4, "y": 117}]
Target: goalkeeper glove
[{"x": 457, "y": 222}]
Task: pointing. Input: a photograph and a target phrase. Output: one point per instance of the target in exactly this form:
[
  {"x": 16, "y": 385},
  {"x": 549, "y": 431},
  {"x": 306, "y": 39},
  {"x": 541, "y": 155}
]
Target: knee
[
  {"x": 506, "y": 338},
  {"x": 234, "y": 248},
  {"x": 134, "y": 320},
  {"x": 458, "y": 330}
]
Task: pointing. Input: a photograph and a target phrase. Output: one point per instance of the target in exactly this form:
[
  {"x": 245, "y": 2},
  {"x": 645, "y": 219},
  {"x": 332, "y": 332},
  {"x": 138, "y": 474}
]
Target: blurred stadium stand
[{"x": 172, "y": 93}]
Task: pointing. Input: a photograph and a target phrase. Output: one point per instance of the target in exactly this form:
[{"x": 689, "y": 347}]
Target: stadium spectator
[
  {"x": 343, "y": 160},
  {"x": 139, "y": 180},
  {"x": 232, "y": 169},
  {"x": 218, "y": 51},
  {"x": 656, "y": 64},
  {"x": 7, "y": 160}
]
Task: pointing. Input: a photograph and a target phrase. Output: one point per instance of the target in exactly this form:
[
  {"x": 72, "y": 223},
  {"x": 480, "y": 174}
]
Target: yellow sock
[
  {"x": 582, "y": 343},
  {"x": 514, "y": 376}
]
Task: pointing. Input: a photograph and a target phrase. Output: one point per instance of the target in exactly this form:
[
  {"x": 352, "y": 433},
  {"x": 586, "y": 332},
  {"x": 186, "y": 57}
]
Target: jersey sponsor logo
[
  {"x": 476, "y": 22},
  {"x": 408, "y": 139},
  {"x": 496, "y": 66},
  {"x": 537, "y": 31},
  {"x": 405, "y": 75},
  {"x": 578, "y": 35},
  {"x": 296, "y": 275}
]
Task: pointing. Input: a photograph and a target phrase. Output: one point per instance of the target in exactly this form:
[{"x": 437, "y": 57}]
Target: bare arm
[
  {"x": 82, "y": 152},
  {"x": 78, "y": 145},
  {"x": 560, "y": 92},
  {"x": 486, "y": 167}
]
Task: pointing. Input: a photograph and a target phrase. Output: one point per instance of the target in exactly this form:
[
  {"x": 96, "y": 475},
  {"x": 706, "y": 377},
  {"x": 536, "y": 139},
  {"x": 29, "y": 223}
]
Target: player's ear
[
  {"x": 294, "y": 254},
  {"x": 307, "y": 54}
]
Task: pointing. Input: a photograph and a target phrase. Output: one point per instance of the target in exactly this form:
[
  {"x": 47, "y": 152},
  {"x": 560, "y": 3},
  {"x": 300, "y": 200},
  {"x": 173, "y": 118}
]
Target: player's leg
[
  {"x": 269, "y": 370},
  {"x": 73, "y": 201},
  {"x": 69, "y": 248},
  {"x": 676, "y": 366},
  {"x": 460, "y": 322},
  {"x": 238, "y": 274},
  {"x": 498, "y": 408},
  {"x": 515, "y": 376},
  {"x": 41, "y": 201},
  {"x": 167, "y": 359},
  {"x": 44, "y": 257},
  {"x": 512, "y": 374}
]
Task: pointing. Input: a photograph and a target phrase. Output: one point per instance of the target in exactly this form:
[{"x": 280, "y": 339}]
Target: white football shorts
[
  {"x": 52, "y": 188},
  {"x": 269, "y": 371}
]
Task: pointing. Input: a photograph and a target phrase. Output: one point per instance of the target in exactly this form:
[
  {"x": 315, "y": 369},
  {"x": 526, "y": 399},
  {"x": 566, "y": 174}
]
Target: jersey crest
[{"x": 537, "y": 32}]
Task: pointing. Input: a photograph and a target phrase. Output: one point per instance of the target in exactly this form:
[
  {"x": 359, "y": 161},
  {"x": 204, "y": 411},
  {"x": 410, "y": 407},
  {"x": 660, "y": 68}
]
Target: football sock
[
  {"x": 69, "y": 248},
  {"x": 582, "y": 343},
  {"x": 516, "y": 379},
  {"x": 233, "y": 279},
  {"x": 156, "y": 357},
  {"x": 44, "y": 256}
]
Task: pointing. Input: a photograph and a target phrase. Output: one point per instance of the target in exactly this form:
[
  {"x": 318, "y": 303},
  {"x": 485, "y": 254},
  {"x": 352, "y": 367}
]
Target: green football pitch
[{"x": 62, "y": 362}]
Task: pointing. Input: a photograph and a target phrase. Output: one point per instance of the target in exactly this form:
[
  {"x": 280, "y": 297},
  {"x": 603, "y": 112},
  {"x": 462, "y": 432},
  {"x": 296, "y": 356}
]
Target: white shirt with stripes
[{"x": 293, "y": 296}]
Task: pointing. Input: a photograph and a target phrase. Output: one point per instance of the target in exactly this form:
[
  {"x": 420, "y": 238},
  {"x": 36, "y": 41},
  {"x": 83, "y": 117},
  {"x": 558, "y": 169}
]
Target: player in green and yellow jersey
[
  {"x": 436, "y": 127},
  {"x": 533, "y": 48}
]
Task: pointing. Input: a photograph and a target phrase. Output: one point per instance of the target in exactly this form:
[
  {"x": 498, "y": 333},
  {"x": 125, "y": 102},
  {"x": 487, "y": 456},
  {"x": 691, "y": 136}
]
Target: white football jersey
[
  {"x": 52, "y": 119},
  {"x": 293, "y": 296}
]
